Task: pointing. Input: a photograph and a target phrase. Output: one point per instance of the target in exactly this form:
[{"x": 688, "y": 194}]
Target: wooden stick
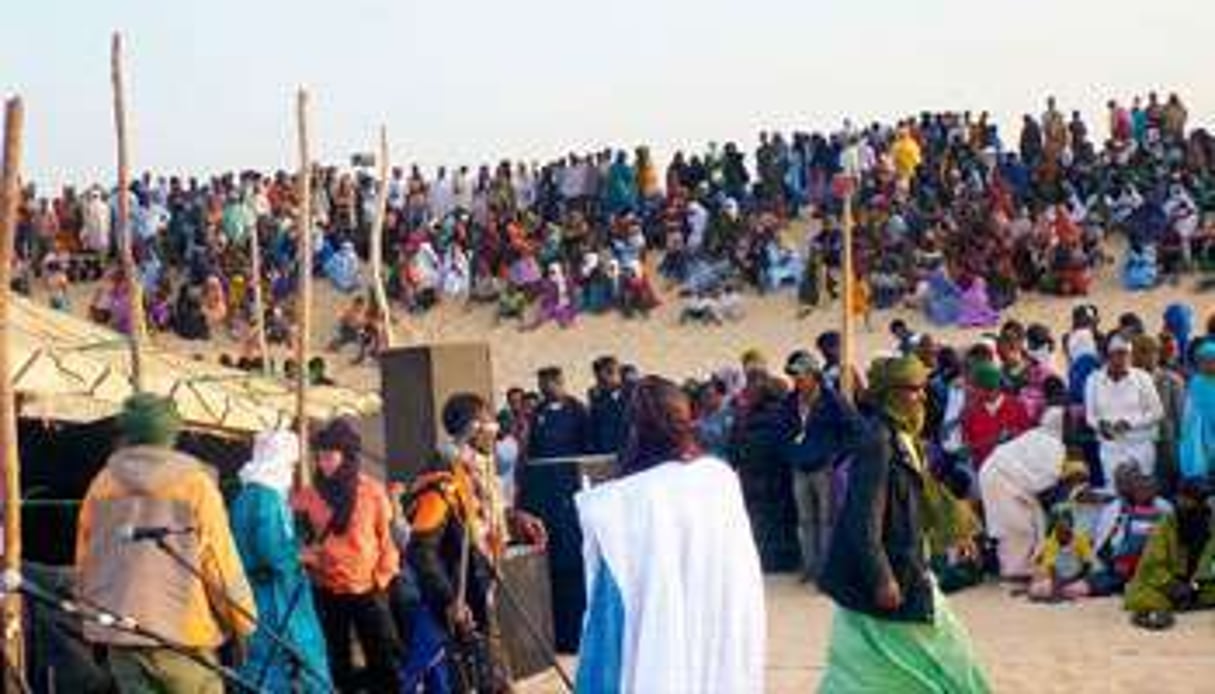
[
  {"x": 377, "y": 244},
  {"x": 10, "y": 193},
  {"x": 847, "y": 338},
  {"x": 134, "y": 287},
  {"x": 259, "y": 304},
  {"x": 304, "y": 305}
]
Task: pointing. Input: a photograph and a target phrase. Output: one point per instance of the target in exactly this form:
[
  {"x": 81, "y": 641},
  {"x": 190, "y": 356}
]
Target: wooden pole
[
  {"x": 304, "y": 312},
  {"x": 377, "y": 244},
  {"x": 259, "y": 304},
  {"x": 848, "y": 326},
  {"x": 134, "y": 287},
  {"x": 10, "y": 614}
]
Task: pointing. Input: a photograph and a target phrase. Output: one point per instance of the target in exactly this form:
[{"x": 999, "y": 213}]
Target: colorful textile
[
  {"x": 1197, "y": 452},
  {"x": 974, "y": 310},
  {"x": 265, "y": 536},
  {"x": 362, "y": 559},
  {"x": 943, "y": 303},
  {"x": 871, "y": 655}
]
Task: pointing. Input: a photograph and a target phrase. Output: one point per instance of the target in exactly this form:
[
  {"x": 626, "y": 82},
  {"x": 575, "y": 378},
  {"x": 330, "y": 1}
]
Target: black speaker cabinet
[
  {"x": 414, "y": 384},
  {"x": 525, "y": 612}
]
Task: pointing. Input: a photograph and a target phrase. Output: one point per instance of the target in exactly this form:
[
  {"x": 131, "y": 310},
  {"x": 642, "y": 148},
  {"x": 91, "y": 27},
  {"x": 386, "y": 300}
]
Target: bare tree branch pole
[
  {"x": 259, "y": 302},
  {"x": 138, "y": 331},
  {"x": 304, "y": 309},
  {"x": 10, "y": 193},
  {"x": 848, "y": 326},
  {"x": 377, "y": 244}
]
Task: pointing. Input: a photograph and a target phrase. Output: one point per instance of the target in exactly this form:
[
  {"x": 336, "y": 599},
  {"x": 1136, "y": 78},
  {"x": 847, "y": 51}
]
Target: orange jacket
[{"x": 362, "y": 559}]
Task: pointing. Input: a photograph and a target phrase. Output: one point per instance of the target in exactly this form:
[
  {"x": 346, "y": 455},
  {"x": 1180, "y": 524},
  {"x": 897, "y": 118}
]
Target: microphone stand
[
  {"x": 102, "y": 617},
  {"x": 299, "y": 664}
]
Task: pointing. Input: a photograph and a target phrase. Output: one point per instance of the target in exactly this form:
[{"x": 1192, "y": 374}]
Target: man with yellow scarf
[{"x": 893, "y": 631}]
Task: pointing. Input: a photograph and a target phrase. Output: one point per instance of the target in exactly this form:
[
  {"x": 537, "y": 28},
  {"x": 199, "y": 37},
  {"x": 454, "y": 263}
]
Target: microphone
[{"x": 153, "y": 533}]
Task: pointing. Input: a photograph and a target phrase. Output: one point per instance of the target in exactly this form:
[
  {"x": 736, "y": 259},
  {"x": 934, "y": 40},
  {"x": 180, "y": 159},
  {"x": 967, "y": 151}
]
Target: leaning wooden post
[
  {"x": 10, "y": 615},
  {"x": 377, "y": 243},
  {"x": 845, "y": 184},
  {"x": 259, "y": 304},
  {"x": 304, "y": 312},
  {"x": 134, "y": 287}
]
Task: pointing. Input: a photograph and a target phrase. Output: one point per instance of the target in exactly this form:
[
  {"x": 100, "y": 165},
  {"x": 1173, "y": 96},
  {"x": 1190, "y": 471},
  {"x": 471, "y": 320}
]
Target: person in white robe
[
  {"x": 1010, "y": 481},
  {"x": 676, "y": 597}
]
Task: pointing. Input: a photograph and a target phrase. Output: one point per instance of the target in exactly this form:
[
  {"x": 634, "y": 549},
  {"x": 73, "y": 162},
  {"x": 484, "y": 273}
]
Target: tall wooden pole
[
  {"x": 134, "y": 287},
  {"x": 377, "y": 244},
  {"x": 304, "y": 312},
  {"x": 848, "y": 326},
  {"x": 10, "y": 614},
  {"x": 259, "y": 304}
]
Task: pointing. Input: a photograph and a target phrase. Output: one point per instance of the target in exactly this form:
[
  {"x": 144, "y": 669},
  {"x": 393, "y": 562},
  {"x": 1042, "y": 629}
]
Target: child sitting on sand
[{"x": 1064, "y": 562}]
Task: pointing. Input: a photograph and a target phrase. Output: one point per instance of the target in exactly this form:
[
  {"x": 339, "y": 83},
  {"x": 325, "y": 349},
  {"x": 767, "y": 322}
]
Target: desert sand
[{"x": 1085, "y": 647}]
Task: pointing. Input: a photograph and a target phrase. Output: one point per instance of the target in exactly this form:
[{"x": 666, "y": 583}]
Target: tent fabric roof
[{"x": 69, "y": 369}]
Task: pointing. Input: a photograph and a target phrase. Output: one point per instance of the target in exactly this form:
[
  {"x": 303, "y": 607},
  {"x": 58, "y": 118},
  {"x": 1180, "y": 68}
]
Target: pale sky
[{"x": 211, "y": 84}]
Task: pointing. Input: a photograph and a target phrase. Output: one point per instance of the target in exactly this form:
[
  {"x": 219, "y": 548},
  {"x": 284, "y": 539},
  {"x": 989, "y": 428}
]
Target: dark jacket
[
  {"x": 831, "y": 430},
  {"x": 608, "y": 426},
  {"x": 880, "y": 530}
]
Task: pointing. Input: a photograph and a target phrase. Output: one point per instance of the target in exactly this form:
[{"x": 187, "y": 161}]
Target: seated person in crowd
[
  {"x": 350, "y": 325},
  {"x": 1177, "y": 570},
  {"x": 1064, "y": 562},
  {"x": 1124, "y": 528}
]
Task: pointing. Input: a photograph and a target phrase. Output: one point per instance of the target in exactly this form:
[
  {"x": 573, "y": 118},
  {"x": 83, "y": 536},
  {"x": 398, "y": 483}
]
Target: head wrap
[
  {"x": 275, "y": 454},
  {"x": 339, "y": 490},
  {"x": 985, "y": 376},
  {"x": 887, "y": 375},
  {"x": 149, "y": 420},
  {"x": 1205, "y": 351},
  {"x": 802, "y": 363},
  {"x": 1179, "y": 320}
]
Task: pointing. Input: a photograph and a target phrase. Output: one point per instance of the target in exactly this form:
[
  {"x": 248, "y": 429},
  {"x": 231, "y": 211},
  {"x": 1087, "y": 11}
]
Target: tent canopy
[{"x": 67, "y": 368}]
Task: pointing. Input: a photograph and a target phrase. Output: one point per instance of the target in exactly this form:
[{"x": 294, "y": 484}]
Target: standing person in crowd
[
  {"x": 659, "y": 619},
  {"x": 1171, "y": 389},
  {"x": 1197, "y": 454},
  {"x": 715, "y": 417},
  {"x": 1123, "y": 407},
  {"x": 461, "y": 504},
  {"x": 893, "y": 630},
  {"x": 264, "y": 529},
  {"x": 767, "y": 482},
  {"x": 352, "y": 559},
  {"x": 830, "y": 346},
  {"x": 144, "y": 484},
  {"x": 546, "y": 490},
  {"x": 818, "y": 428},
  {"x": 607, "y": 406}
]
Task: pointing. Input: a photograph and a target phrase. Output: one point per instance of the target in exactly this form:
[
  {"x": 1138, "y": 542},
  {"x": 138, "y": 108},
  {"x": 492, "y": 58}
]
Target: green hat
[
  {"x": 888, "y": 373},
  {"x": 986, "y": 376},
  {"x": 149, "y": 420}
]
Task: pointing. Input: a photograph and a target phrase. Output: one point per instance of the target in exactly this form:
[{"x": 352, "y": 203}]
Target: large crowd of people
[
  {"x": 949, "y": 217},
  {"x": 1067, "y": 468}
]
